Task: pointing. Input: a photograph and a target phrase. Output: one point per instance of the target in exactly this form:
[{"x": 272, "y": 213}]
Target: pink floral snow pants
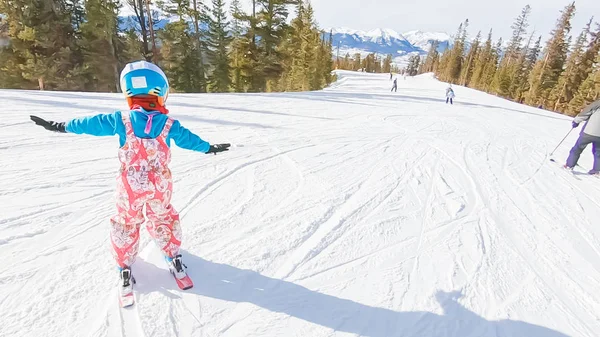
[{"x": 144, "y": 180}]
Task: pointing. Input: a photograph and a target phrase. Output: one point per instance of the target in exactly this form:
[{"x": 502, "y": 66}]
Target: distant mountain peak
[{"x": 387, "y": 41}]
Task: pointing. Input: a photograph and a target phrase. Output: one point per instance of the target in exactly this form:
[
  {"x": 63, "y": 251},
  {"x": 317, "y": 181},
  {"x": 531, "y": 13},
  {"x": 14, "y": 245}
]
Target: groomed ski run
[{"x": 352, "y": 211}]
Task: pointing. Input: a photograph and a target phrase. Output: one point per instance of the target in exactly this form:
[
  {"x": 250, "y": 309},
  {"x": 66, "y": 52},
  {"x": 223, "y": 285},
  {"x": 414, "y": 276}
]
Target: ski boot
[
  {"x": 177, "y": 269},
  {"x": 126, "y": 298}
]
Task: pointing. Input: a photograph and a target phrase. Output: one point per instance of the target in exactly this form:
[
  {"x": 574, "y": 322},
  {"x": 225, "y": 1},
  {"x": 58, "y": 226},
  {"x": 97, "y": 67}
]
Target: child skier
[
  {"x": 449, "y": 94},
  {"x": 589, "y": 134},
  {"x": 145, "y": 133}
]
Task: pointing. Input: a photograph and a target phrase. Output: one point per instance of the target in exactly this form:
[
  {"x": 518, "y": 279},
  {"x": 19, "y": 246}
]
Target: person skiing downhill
[
  {"x": 395, "y": 85},
  {"x": 449, "y": 94},
  {"x": 589, "y": 134},
  {"x": 145, "y": 133}
]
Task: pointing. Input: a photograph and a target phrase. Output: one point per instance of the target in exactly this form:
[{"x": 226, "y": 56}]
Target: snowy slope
[{"x": 350, "y": 211}]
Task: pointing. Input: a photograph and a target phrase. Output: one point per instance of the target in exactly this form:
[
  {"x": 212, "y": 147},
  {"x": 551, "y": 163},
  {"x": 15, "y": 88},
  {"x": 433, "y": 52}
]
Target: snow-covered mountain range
[
  {"x": 423, "y": 40},
  {"x": 386, "y": 41}
]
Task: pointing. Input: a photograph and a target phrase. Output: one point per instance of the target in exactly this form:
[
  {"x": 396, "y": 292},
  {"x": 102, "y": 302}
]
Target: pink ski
[
  {"x": 177, "y": 269},
  {"x": 184, "y": 283},
  {"x": 126, "y": 300}
]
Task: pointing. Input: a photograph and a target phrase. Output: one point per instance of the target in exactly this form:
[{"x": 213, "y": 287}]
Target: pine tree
[
  {"x": 347, "y": 63},
  {"x": 309, "y": 58},
  {"x": 305, "y": 53},
  {"x": 508, "y": 66},
  {"x": 589, "y": 91},
  {"x": 490, "y": 68},
  {"x": 43, "y": 37},
  {"x": 443, "y": 64},
  {"x": 455, "y": 59},
  {"x": 525, "y": 63},
  {"x": 130, "y": 47},
  {"x": 10, "y": 75},
  {"x": 180, "y": 58},
  {"x": 328, "y": 65},
  {"x": 570, "y": 79},
  {"x": 481, "y": 64},
  {"x": 432, "y": 59},
  {"x": 236, "y": 50},
  {"x": 519, "y": 30},
  {"x": 299, "y": 55},
  {"x": 357, "y": 62},
  {"x": 413, "y": 65},
  {"x": 387, "y": 64},
  {"x": 100, "y": 43},
  {"x": 271, "y": 30},
  {"x": 378, "y": 66},
  {"x": 588, "y": 57},
  {"x": 152, "y": 18},
  {"x": 141, "y": 22},
  {"x": 586, "y": 66},
  {"x": 467, "y": 70},
  {"x": 218, "y": 43},
  {"x": 322, "y": 64},
  {"x": 197, "y": 15},
  {"x": 246, "y": 50},
  {"x": 547, "y": 71}
]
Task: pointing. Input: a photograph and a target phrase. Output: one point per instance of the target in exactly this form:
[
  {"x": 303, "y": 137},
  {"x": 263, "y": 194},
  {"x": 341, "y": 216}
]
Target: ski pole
[{"x": 551, "y": 153}]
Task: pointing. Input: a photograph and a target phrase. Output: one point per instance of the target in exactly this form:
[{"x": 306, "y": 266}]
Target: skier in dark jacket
[
  {"x": 395, "y": 86},
  {"x": 589, "y": 134}
]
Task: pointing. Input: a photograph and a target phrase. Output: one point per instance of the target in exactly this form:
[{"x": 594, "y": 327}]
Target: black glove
[
  {"x": 218, "y": 148},
  {"x": 575, "y": 124},
  {"x": 49, "y": 125}
]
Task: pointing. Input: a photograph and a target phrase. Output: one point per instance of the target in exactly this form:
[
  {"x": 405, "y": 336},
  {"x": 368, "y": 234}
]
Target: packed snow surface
[{"x": 350, "y": 211}]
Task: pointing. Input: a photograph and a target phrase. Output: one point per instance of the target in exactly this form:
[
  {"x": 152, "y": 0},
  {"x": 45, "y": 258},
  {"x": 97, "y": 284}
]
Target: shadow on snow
[{"x": 232, "y": 284}]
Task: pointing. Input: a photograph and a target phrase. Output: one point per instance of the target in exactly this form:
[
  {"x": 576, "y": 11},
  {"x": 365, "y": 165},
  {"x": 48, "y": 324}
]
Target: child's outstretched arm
[
  {"x": 99, "y": 125},
  {"x": 49, "y": 125},
  {"x": 186, "y": 139}
]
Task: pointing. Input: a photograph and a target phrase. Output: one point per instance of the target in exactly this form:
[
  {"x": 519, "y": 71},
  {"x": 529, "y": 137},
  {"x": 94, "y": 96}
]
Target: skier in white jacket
[{"x": 449, "y": 94}]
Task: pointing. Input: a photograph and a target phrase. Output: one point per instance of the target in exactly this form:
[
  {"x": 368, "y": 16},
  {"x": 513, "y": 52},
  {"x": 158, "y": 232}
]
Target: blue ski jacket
[{"x": 112, "y": 124}]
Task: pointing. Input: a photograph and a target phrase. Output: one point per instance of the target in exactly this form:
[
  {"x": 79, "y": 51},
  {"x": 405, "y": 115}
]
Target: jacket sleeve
[
  {"x": 99, "y": 125},
  {"x": 185, "y": 139},
  {"x": 588, "y": 112}
]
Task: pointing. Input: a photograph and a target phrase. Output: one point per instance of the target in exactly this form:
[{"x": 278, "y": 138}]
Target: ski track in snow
[{"x": 349, "y": 211}]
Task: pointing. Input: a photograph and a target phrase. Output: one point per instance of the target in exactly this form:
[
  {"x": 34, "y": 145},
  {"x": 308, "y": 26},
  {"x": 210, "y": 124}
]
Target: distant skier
[
  {"x": 391, "y": 76},
  {"x": 449, "y": 94},
  {"x": 395, "y": 85},
  {"x": 589, "y": 134},
  {"x": 145, "y": 133}
]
